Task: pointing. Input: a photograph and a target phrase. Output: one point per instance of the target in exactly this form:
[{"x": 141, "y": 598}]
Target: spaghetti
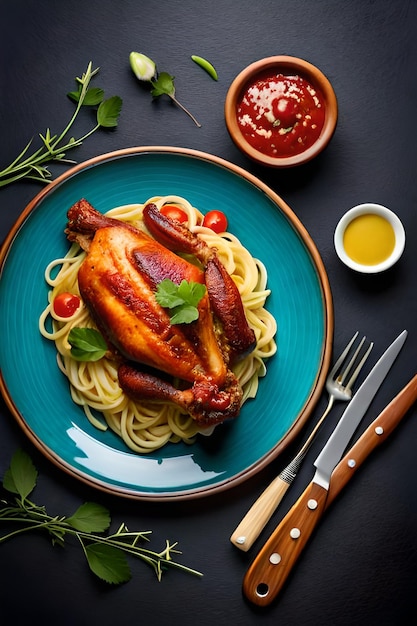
[{"x": 147, "y": 426}]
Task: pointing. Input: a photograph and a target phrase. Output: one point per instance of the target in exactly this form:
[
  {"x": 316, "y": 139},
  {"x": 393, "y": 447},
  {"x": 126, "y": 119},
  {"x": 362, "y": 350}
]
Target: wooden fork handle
[
  {"x": 259, "y": 514},
  {"x": 269, "y": 571}
]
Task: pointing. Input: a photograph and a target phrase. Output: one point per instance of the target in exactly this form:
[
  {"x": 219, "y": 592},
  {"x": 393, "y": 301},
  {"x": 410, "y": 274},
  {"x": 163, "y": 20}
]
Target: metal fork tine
[
  {"x": 359, "y": 367},
  {"x": 342, "y": 357},
  {"x": 347, "y": 369}
]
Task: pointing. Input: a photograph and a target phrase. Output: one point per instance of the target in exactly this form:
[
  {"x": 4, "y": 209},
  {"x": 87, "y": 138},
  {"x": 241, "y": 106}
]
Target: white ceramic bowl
[{"x": 369, "y": 208}]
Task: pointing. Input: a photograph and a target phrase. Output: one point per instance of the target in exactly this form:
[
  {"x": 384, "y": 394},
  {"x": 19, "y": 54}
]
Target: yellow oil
[{"x": 369, "y": 239}]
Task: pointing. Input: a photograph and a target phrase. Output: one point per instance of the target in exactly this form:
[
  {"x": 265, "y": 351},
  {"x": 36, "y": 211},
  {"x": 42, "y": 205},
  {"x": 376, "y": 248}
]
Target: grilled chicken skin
[{"x": 117, "y": 282}]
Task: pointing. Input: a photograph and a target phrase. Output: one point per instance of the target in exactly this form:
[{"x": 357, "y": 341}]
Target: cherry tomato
[
  {"x": 285, "y": 109},
  {"x": 174, "y": 213},
  {"x": 65, "y": 304},
  {"x": 216, "y": 220}
]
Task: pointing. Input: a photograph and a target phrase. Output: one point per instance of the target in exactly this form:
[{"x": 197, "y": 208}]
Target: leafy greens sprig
[
  {"x": 87, "y": 344},
  {"x": 182, "y": 299},
  {"x": 162, "y": 83},
  {"x": 54, "y": 147},
  {"x": 105, "y": 553}
]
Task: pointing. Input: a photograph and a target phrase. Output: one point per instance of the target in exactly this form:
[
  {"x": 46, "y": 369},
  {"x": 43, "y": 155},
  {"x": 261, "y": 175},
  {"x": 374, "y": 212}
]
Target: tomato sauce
[{"x": 281, "y": 115}]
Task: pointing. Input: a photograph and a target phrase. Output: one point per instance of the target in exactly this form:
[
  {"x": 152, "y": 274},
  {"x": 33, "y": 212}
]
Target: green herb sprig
[
  {"x": 55, "y": 147},
  {"x": 182, "y": 299},
  {"x": 105, "y": 554},
  {"x": 162, "y": 83},
  {"x": 87, "y": 344}
]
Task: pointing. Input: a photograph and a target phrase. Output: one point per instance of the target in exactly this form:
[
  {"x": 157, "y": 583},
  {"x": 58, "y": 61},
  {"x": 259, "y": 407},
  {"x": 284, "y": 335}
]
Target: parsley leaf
[
  {"x": 184, "y": 314},
  {"x": 182, "y": 299},
  {"x": 87, "y": 344},
  {"x": 163, "y": 84},
  {"x": 166, "y": 294},
  {"x": 191, "y": 292}
]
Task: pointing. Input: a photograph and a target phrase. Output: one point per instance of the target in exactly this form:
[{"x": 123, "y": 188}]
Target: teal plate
[{"x": 38, "y": 394}]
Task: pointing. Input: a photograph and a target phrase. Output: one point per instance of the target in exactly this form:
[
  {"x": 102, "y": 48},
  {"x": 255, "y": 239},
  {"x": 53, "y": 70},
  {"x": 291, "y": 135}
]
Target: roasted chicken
[{"x": 118, "y": 280}]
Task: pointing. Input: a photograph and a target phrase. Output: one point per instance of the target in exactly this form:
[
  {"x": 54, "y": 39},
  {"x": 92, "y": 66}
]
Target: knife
[
  {"x": 377, "y": 432},
  {"x": 271, "y": 567}
]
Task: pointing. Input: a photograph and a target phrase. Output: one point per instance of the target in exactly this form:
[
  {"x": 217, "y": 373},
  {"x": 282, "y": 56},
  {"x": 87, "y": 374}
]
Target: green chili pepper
[{"x": 206, "y": 65}]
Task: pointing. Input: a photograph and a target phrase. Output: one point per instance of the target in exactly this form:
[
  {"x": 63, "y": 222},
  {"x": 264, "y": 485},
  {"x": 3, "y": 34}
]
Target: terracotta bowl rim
[{"x": 286, "y": 63}]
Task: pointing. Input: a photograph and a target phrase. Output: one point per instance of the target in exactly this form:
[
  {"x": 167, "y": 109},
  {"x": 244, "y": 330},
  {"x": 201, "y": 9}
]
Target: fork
[{"x": 339, "y": 387}]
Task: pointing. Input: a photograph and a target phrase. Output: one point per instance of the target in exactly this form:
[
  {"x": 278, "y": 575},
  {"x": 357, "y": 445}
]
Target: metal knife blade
[
  {"x": 376, "y": 433},
  {"x": 270, "y": 568},
  {"x": 356, "y": 409}
]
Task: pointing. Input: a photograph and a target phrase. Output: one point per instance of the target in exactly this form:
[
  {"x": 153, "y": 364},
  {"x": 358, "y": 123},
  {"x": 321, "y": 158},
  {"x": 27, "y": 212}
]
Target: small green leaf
[
  {"x": 74, "y": 95},
  {"x": 90, "y": 518},
  {"x": 93, "y": 96},
  {"x": 87, "y": 344},
  {"x": 109, "y": 111},
  {"x": 21, "y": 476},
  {"x": 184, "y": 314},
  {"x": 191, "y": 292},
  {"x": 166, "y": 294},
  {"x": 108, "y": 563},
  {"x": 163, "y": 85},
  {"x": 182, "y": 299}
]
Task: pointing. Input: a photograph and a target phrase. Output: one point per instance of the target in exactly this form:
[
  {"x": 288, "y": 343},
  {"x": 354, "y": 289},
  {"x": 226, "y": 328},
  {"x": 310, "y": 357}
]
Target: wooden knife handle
[
  {"x": 258, "y": 515},
  {"x": 269, "y": 570},
  {"x": 373, "y": 436}
]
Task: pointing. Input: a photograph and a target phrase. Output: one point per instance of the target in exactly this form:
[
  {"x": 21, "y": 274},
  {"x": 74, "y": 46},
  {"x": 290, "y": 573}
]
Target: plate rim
[{"x": 326, "y": 348}]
